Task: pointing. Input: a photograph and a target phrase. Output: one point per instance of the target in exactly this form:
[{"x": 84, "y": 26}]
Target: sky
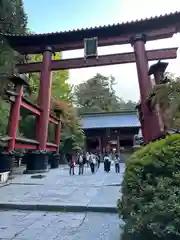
[{"x": 57, "y": 15}]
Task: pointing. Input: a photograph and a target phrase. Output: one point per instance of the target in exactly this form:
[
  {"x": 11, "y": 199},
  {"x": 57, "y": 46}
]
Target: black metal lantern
[{"x": 90, "y": 47}]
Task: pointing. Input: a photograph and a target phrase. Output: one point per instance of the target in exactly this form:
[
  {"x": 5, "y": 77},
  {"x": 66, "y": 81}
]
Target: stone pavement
[
  {"x": 58, "y": 189},
  {"x": 24, "y": 225}
]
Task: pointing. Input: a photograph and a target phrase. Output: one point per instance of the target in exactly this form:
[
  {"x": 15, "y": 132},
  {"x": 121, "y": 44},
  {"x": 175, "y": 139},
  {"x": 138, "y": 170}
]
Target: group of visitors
[
  {"x": 90, "y": 159},
  {"x": 108, "y": 162},
  {"x": 93, "y": 160}
]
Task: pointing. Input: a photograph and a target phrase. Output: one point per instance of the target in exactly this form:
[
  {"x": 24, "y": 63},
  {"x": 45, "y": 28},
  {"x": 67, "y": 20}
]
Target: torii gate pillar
[
  {"x": 150, "y": 122},
  {"x": 45, "y": 97}
]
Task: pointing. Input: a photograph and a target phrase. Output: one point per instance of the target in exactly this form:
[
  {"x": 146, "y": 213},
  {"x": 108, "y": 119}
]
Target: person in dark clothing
[
  {"x": 71, "y": 167},
  {"x": 106, "y": 163}
]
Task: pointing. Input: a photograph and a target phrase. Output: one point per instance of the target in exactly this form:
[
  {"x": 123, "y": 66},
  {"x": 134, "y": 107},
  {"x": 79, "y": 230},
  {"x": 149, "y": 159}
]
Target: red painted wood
[
  {"x": 14, "y": 119},
  {"x": 34, "y": 146},
  {"x": 26, "y": 146},
  {"x": 53, "y": 120},
  {"x": 58, "y": 135},
  {"x": 151, "y": 128},
  {"x": 121, "y": 58},
  {"x": 44, "y": 98},
  {"x": 51, "y": 148},
  {"x": 30, "y": 107}
]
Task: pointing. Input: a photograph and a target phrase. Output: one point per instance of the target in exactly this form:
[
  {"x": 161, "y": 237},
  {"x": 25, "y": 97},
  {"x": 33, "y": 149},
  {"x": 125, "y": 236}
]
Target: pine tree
[{"x": 13, "y": 20}]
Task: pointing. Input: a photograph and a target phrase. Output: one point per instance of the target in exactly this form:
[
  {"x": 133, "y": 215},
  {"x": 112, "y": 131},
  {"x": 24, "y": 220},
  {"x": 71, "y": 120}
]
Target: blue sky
[{"x": 56, "y": 15}]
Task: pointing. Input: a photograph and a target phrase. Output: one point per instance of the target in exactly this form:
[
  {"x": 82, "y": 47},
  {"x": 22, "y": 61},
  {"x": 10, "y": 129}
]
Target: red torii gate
[{"x": 135, "y": 33}]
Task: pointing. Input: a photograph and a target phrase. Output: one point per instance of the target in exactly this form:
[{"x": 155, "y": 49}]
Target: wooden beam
[
  {"x": 20, "y": 145},
  {"x": 25, "y": 143},
  {"x": 30, "y": 106},
  {"x": 110, "y": 41},
  {"x": 53, "y": 119},
  {"x": 121, "y": 58}
]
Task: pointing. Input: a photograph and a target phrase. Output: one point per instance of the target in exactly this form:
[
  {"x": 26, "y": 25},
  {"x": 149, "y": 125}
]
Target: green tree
[
  {"x": 60, "y": 86},
  {"x": 60, "y": 90},
  {"x": 62, "y": 98},
  {"x": 98, "y": 95},
  {"x": 13, "y": 20},
  {"x": 72, "y": 135}
]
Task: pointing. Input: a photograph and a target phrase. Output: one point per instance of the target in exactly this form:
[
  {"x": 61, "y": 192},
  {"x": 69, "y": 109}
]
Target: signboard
[{"x": 90, "y": 47}]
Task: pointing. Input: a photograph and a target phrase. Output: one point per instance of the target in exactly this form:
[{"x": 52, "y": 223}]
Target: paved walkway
[
  {"x": 87, "y": 194},
  {"x": 60, "y": 189},
  {"x": 23, "y": 225}
]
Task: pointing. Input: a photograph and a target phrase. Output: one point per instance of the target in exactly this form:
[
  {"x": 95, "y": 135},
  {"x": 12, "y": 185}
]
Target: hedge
[{"x": 150, "y": 203}]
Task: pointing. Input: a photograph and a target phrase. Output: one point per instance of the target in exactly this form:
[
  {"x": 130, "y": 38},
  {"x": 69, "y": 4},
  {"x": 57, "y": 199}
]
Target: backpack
[{"x": 84, "y": 160}]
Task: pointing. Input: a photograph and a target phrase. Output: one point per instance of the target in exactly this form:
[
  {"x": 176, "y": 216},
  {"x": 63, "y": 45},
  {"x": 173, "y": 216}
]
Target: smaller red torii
[{"x": 43, "y": 117}]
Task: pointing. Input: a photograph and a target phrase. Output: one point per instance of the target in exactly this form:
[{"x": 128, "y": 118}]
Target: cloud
[{"x": 126, "y": 75}]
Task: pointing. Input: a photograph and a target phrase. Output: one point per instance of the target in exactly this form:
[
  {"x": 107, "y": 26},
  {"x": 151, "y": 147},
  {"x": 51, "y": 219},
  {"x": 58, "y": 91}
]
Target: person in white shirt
[
  {"x": 81, "y": 164},
  {"x": 87, "y": 158}
]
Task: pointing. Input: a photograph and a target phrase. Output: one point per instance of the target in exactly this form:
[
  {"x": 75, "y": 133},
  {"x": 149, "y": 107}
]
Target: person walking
[
  {"x": 92, "y": 161},
  {"x": 107, "y": 163},
  {"x": 117, "y": 164},
  {"x": 72, "y": 166},
  {"x": 87, "y": 158},
  {"x": 81, "y": 164},
  {"x": 98, "y": 161}
]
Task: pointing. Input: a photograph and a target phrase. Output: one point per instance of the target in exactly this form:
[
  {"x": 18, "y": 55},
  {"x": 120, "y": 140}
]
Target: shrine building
[{"x": 108, "y": 132}]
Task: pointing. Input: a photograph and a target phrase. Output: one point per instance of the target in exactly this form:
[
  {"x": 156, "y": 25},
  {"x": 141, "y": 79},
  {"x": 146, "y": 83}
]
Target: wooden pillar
[
  {"x": 45, "y": 97},
  {"x": 58, "y": 135},
  {"x": 150, "y": 120},
  {"x": 14, "y": 118},
  {"x": 100, "y": 144},
  {"x": 118, "y": 144}
]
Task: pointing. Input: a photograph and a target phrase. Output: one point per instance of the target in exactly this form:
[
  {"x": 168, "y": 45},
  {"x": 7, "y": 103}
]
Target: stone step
[{"x": 57, "y": 207}]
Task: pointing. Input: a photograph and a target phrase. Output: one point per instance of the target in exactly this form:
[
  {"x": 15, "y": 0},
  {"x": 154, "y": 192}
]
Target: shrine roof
[
  {"x": 102, "y": 32},
  {"x": 122, "y": 119}
]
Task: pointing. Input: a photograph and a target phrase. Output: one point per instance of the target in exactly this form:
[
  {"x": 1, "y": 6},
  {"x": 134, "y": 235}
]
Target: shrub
[{"x": 150, "y": 204}]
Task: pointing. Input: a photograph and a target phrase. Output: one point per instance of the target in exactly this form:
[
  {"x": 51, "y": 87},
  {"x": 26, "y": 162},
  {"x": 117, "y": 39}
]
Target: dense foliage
[
  {"x": 167, "y": 95},
  {"x": 72, "y": 135},
  {"x": 13, "y": 20},
  {"x": 150, "y": 204},
  {"x": 62, "y": 100},
  {"x": 97, "y": 95}
]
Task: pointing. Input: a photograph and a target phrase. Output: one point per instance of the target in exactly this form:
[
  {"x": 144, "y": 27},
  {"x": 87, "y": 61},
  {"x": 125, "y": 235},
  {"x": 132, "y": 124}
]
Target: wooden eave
[{"x": 158, "y": 27}]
